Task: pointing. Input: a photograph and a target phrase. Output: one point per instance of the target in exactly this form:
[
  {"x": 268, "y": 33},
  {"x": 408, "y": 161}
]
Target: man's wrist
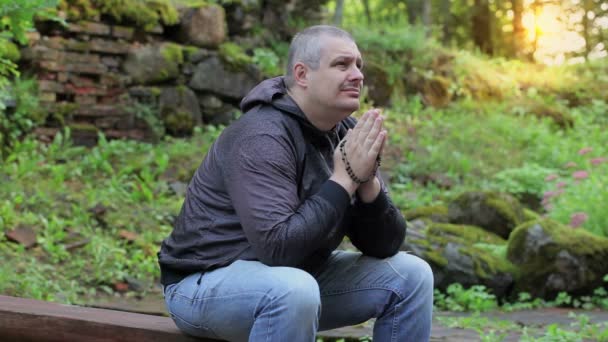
[
  {"x": 369, "y": 191},
  {"x": 346, "y": 182}
]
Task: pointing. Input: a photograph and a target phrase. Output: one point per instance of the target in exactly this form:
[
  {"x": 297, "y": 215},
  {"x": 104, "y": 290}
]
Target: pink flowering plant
[{"x": 578, "y": 194}]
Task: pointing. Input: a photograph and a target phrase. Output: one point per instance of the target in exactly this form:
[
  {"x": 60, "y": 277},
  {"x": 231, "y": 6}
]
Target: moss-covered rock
[
  {"x": 234, "y": 57},
  {"x": 530, "y": 215},
  {"x": 203, "y": 26},
  {"x": 495, "y": 212},
  {"x": 554, "y": 258},
  {"x": 180, "y": 110},
  {"x": 212, "y": 75},
  {"x": 378, "y": 83},
  {"x": 461, "y": 254},
  {"x": 436, "y": 213},
  {"x": 154, "y": 63},
  {"x": 178, "y": 121},
  {"x": 146, "y": 14},
  {"x": 557, "y": 113}
]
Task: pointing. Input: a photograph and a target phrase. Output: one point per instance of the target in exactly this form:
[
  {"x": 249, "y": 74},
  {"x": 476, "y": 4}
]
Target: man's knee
[
  {"x": 416, "y": 273},
  {"x": 298, "y": 290}
]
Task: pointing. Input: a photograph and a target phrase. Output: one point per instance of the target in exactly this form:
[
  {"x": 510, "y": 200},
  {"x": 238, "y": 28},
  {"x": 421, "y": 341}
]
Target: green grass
[{"x": 68, "y": 194}]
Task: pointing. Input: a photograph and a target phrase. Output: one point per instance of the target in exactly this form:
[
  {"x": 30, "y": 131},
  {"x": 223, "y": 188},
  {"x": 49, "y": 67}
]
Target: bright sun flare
[{"x": 553, "y": 39}]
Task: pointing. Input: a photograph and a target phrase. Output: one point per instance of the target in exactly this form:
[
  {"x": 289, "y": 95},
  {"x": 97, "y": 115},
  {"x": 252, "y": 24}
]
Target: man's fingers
[
  {"x": 367, "y": 125},
  {"x": 374, "y": 131},
  {"x": 358, "y": 126},
  {"x": 378, "y": 143},
  {"x": 383, "y": 142}
]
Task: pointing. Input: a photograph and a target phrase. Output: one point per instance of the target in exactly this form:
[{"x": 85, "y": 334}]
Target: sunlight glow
[{"x": 548, "y": 27}]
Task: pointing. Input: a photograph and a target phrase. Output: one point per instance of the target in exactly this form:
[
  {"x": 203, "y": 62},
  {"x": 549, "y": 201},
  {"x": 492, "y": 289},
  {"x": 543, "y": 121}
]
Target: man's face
[{"x": 336, "y": 85}]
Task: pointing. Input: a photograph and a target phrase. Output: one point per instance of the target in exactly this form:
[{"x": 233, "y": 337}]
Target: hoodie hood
[
  {"x": 273, "y": 92},
  {"x": 264, "y": 93}
]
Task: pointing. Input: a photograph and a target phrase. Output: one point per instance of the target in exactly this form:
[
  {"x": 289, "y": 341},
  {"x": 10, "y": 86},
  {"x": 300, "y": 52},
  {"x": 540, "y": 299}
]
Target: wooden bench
[
  {"x": 24, "y": 319},
  {"x": 33, "y": 320}
]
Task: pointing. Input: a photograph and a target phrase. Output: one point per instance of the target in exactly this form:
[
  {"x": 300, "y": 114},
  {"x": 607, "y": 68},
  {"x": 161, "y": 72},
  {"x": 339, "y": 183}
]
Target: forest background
[{"x": 483, "y": 95}]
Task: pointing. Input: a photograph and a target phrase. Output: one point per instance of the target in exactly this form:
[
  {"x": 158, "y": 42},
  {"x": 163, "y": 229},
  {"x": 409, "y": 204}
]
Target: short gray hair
[{"x": 306, "y": 48}]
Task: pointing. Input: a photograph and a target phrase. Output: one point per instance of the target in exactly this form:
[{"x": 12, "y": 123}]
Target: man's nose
[{"x": 356, "y": 74}]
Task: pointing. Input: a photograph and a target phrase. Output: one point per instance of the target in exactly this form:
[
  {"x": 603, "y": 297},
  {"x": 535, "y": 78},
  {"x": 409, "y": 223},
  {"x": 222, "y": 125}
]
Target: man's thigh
[
  {"x": 224, "y": 302},
  {"x": 355, "y": 288}
]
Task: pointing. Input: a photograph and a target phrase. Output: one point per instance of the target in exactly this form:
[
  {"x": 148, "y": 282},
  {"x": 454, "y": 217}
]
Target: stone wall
[{"x": 130, "y": 82}]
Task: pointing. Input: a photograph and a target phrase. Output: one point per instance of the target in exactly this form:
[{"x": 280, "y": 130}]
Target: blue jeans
[{"x": 249, "y": 301}]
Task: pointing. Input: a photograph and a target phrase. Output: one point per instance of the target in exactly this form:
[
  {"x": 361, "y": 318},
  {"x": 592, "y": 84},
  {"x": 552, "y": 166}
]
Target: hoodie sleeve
[
  {"x": 261, "y": 179},
  {"x": 378, "y": 228}
]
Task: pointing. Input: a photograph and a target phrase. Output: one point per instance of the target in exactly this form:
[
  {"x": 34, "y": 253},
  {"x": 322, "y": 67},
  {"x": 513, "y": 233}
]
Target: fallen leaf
[
  {"x": 23, "y": 235},
  {"x": 127, "y": 235}
]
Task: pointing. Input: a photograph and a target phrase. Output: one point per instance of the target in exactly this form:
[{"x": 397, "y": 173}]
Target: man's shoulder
[
  {"x": 262, "y": 123},
  {"x": 267, "y": 120}
]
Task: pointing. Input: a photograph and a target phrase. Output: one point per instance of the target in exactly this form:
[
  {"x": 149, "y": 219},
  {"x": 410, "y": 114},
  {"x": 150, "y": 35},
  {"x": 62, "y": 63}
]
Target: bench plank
[{"x": 32, "y": 320}]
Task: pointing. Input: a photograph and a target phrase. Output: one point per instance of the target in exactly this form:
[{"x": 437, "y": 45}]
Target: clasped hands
[{"x": 357, "y": 157}]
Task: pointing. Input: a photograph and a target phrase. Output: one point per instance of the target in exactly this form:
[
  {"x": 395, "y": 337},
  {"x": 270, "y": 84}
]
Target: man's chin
[{"x": 352, "y": 105}]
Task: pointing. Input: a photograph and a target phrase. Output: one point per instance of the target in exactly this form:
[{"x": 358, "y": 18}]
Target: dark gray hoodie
[{"x": 263, "y": 193}]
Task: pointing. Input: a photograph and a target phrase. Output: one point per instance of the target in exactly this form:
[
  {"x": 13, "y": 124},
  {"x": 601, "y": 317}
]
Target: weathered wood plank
[{"x": 32, "y": 320}]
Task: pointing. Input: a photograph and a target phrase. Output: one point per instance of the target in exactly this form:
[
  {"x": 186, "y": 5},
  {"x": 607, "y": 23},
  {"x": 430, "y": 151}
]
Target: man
[{"x": 252, "y": 255}]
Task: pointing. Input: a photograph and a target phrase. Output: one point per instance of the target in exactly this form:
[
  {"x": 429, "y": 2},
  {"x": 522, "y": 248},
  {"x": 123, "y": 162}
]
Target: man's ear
[{"x": 300, "y": 74}]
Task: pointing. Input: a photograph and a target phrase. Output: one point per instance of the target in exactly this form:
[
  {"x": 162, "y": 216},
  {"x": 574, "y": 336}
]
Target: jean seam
[
  {"x": 395, "y": 270},
  {"x": 269, "y": 320},
  {"x": 176, "y": 294},
  {"x": 371, "y": 287},
  {"x": 254, "y": 319},
  {"x": 394, "y": 330},
  {"x": 205, "y": 326}
]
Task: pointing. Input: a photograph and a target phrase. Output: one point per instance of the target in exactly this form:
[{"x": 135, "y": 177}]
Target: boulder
[
  {"x": 156, "y": 63},
  {"x": 461, "y": 254},
  {"x": 215, "y": 111},
  {"x": 211, "y": 75},
  {"x": 378, "y": 84},
  {"x": 179, "y": 110},
  {"x": 242, "y": 16},
  {"x": 553, "y": 258},
  {"x": 436, "y": 213},
  {"x": 498, "y": 213},
  {"x": 204, "y": 26}
]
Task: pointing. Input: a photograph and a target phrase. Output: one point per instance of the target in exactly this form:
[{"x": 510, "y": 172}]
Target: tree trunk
[
  {"x": 338, "y": 14},
  {"x": 482, "y": 33},
  {"x": 414, "y": 11},
  {"x": 426, "y": 16},
  {"x": 586, "y": 28},
  {"x": 519, "y": 33},
  {"x": 447, "y": 20},
  {"x": 368, "y": 12}
]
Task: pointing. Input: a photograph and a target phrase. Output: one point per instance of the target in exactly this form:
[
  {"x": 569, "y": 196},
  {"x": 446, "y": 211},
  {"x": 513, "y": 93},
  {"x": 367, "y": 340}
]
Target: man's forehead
[{"x": 334, "y": 47}]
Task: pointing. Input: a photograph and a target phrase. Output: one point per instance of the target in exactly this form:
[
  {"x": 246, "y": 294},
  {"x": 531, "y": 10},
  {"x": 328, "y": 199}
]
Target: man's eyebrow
[{"x": 346, "y": 57}]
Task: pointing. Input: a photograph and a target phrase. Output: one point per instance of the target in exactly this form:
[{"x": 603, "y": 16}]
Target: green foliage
[
  {"x": 267, "y": 61},
  {"x": 527, "y": 179},
  {"x": 490, "y": 330},
  {"x": 234, "y": 56},
  {"x": 55, "y": 188},
  {"x": 582, "y": 330},
  {"x": 26, "y": 114},
  {"x": 477, "y": 299},
  {"x": 16, "y": 19},
  {"x": 397, "y": 48},
  {"x": 457, "y": 298},
  {"x": 577, "y": 193},
  {"x": 150, "y": 114}
]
